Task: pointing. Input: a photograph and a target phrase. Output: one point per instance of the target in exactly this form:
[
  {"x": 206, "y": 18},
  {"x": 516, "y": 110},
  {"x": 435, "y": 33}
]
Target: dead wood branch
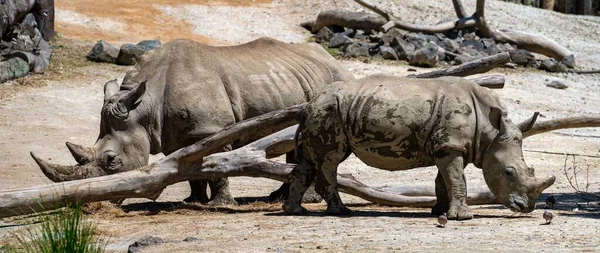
[
  {"x": 537, "y": 44},
  {"x": 571, "y": 122},
  {"x": 350, "y": 19},
  {"x": 492, "y": 81},
  {"x": 478, "y": 66}
]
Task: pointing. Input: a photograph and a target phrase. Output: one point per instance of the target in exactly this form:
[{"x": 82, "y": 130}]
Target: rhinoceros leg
[
  {"x": 451, "y": 167},
  {"x": 301, "y": 178},
  {"x": 310, "y": 196},
  {"x": 441, "y": 192},
  {"x": 220, "y": 194},
  {"x": 198, "y": 192}
]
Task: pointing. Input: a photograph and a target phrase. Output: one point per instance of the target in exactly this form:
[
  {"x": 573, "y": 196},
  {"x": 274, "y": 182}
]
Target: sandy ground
[{"x": 40, "y": 113}]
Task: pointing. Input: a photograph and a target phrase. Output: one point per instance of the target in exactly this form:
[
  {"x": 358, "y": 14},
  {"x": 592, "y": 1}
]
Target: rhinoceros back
[{"x": 197, "y": 89}]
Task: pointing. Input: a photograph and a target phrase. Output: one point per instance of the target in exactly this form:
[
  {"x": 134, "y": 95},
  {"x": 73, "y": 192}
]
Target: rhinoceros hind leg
[
  {"x": 300, "y": 179},
  {"x": 198, "y": 192},
  {"x": 219, "y": 189},
  {"x": 310, "y": 196},
  {"x": 326, "y": 185},
  {"x": 443, "y": 201}
]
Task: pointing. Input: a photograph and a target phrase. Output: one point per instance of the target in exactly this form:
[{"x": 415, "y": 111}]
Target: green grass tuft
[{"x": 64, "y": 231}]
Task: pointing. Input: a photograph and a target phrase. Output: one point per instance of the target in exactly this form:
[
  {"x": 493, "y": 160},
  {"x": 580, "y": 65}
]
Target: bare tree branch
[
  {"x": 478, "y": 66},
  {"x": 459, "y": 9}
]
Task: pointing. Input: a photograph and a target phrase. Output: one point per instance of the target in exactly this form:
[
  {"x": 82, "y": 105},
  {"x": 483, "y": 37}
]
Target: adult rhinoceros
[
  {"x": 184, "y": 91},
  {"x": 398, "y": 124}
]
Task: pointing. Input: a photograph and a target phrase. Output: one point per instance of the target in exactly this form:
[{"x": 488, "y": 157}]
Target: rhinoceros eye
[{"x": 510, "y": 172}]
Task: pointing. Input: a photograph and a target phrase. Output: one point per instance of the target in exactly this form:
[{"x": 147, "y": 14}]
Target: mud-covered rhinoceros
[
  {"x": 184, "y": 91},
  {"x": 396, "y": 123}
]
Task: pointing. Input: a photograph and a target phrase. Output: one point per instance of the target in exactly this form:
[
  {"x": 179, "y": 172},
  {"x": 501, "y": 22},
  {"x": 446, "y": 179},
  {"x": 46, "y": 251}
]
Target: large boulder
[
  {"x": 403, "y": 48},
  {"x": 388, "y": 53},
  {"x": 103, "y": 52},
  {"x": 130, "y": 53}
]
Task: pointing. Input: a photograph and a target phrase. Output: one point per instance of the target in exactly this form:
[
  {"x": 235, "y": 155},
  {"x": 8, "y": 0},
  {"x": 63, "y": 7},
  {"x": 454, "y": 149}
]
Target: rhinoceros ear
[
  {"x": 110, "y": 88},
  {"x": 528, "y": 124},
  {"x": 496, "y": 117},
  {"x": 134, "y": 96}
]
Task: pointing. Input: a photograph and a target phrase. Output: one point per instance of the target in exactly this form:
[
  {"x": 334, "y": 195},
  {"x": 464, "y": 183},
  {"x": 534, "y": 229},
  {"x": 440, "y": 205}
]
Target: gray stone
[
  {"x": 521, "y": 57},
  {"x": 569, "y": 61},
  {"x": 103, "y": 52},
  {"x": 388, "y": 53},
  {"x": 324, "y": 35},
  {"x": 144, "y": 242},
  {"x": 450, "y": 45},
  {"x": 147, "y": 45},
  {"x": 488, "y": 42},
  {"x": 425, "y": 57},
  {"x": 439, "y": 50},
  {"x": 474, "y": 44},
  {"x": 356, "y": 49},
  {"x": 350, "y": 32},
  {"x": 338, "y": 40},
  {"x": 416, "y": 39},
  {"x": 557, "y": 85},
  {"x": 552, "y": 65},
  {"x": 496, "y": 49},
  {"x": 403, "y": 48},
  {"x": 129, "y": 54},
  {"x": 389, "y": 36},
  {"x": 190, "y": 239}
]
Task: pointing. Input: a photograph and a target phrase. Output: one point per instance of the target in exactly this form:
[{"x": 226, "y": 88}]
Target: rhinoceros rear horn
[
  {"x": 60, "y": 173},
  {"x": 81, "y": 154},
  {"x": 528, "y": 124}
]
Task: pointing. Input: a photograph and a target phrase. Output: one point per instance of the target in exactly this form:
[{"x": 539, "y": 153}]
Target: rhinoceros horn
[
  {"x": 82, "y": 155},
  {"x": 543, "y": 184},
  {"x": 60, "y": 173}
]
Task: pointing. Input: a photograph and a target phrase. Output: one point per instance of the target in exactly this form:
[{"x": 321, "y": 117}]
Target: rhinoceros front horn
[
  {"x": 82, "y": 155},
  {"x": 60, "y": 173},
  {"x": 543, "y": 184}
]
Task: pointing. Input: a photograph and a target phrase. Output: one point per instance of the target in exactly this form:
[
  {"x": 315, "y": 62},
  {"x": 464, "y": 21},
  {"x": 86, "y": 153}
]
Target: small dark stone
[
  {"x": 338, "y": 40},
  {"x": 129, "y": 54},
  {"x": 450, "y": 45},
  {"x": 521, "y": 57},
  {"x": 144, "y": 242},
  {"x": 350, "y": 32},
  {"x": 190, "y": 239},
  {"x": 389, "y": 36},
  {"x": 323, "y": 35},
  {"x": 417, "y": 39},
  {"x": 557, "y": 85},
  {"x": 411, "y": 70},
  {"x": 388, "y": 53},
  {"x": 470, "y": 36},
  {"x": 552, "y": 65},
  {"x": 496, "y": 49},
  {"x": 356, "y": 49},
  {"x": 403, "y": 48},
  {"x": 474, "y": 44},
  {"x": 103, "y": 52},
  {"x": 488, "y": 42}
]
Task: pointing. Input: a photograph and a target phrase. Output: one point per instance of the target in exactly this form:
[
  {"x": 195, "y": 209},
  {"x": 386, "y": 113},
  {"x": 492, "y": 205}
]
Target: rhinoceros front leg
[
  {"x": 441, "y": 192},
  {"x": 220, "y": 194},
  {"x": 451, "y": 167}
]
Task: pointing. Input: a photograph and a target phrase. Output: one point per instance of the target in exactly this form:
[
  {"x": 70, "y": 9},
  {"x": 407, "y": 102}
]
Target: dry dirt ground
[{"x": 39, "y": 113}]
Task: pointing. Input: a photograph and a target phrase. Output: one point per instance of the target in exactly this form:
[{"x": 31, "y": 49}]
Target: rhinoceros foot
[
  {"x": 338, "y": 210},
  {"x": 290, "y": 208},
  {"x": 440, "y": 208},
  {"x": 459, "y": 211},
  {"x": 222, "y": 200}
]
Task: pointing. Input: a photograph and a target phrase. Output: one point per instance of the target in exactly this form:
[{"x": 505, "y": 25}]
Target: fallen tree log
[
  {"x": 491, "y": 81},
  {"x": 350, "y": 19},
  {"x": 478, "y": 66}
]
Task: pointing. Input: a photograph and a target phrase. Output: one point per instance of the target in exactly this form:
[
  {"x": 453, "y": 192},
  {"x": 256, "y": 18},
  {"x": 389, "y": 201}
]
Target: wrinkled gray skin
[
  {"x": 396, "y": 123},
  {"x": 183, "y": 92}
]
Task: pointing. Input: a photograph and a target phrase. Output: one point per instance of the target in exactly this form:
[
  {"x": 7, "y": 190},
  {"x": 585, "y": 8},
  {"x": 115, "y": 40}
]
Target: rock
[
  {"x": 557, "y": 85},
  {"x": 552, "y": 65},
  {"x": 350, "y": 32},
  {"x": 190, "y": 239},
  {"x": 338, "y": 40},
  {"x": 569, "y": 61},
  {"x": 391, "y": 34},
  {"x": 416, "y": 39},
  {"x": 432, "y": 38},
  {"x": 129, "y": 54},
  {"x": 144, "y": 242},
  {"x": 496, "y": 49},
  {"x": 13, "y": 68},
  {"x": 324, "y": 35},
  {"x": 487, "y": 43},
  {"x": 403, "y": 48},
  {"x": 439, "y": 50},
  {"x": 450, "y": 45},
  {"x": 521, "y": 57},
  {"x": 388, "y": 53},
  {"x": 103, "y": 52},
  {"x": 425, "y": 57},
  {"x": 474, "y": 44},
  {"x": 356, "y": 49},
  {"x": 147, "y": 45}
]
